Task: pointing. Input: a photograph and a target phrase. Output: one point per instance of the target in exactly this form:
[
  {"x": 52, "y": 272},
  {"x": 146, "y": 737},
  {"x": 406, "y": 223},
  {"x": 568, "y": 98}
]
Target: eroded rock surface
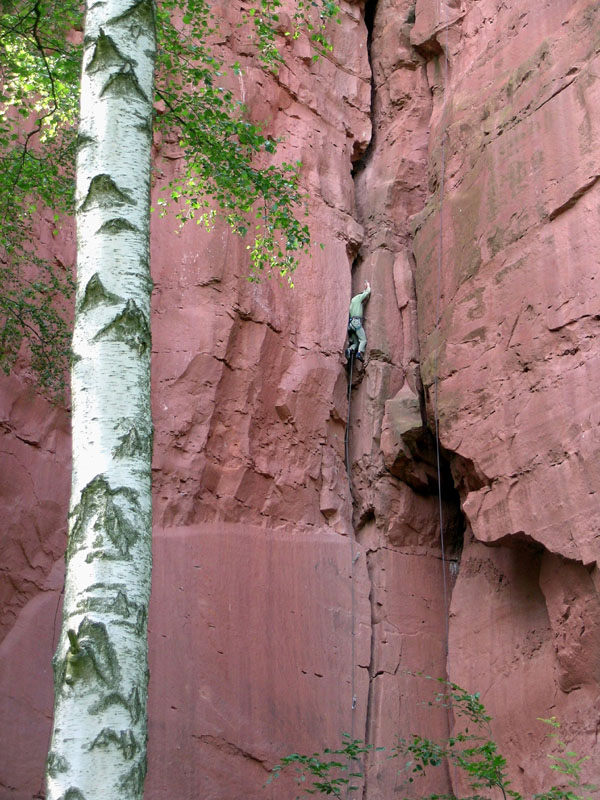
[{"x": 507, "y": 255}]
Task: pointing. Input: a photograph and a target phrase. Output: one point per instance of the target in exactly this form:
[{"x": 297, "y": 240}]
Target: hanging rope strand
[
  {"x": 451, "y": 767},
  {"x": 352, "y": 589},
  {"x": 437, "y": 326}
]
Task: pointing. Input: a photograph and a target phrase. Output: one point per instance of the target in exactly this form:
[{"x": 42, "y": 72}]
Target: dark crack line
[
  {"x": 574, "y": 198},
  {"x": 369, "y": 18},
  {"x": 220, "y": 743}
]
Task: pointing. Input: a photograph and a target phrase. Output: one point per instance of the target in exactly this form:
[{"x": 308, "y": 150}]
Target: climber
[{"x": 356, "y": 332}]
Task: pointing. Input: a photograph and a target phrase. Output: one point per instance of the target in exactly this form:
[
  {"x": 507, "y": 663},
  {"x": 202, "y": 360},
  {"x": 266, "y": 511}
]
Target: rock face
[
  {"x": 514, "y": 158},
  {"x": 450, "y": 158}
]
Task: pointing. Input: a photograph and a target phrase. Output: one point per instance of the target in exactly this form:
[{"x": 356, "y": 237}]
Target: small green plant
[
  {"x": 568, "y": 763},
  {"x": 326, "y": 773},
  {"x": 471, "y": 750}
]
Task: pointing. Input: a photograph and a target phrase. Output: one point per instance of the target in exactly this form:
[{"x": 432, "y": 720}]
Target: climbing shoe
[
  {"x": 360, "y": 356},
  {"x": 348, "y": 354}
]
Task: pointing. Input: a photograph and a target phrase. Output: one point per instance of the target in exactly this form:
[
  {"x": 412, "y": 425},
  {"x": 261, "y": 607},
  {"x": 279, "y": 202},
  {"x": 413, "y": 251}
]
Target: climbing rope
[
  {"x": 444, "y": 18},
  {"x": 352, "y": 548},
  {"x": 347, "y": 436},
  {"x": 443, "y": 14}
]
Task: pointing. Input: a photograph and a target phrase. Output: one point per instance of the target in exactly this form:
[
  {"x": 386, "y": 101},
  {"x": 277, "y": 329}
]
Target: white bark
[{"x": 98, "y": 748}]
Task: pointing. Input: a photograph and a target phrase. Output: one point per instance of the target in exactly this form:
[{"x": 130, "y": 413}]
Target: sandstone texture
[
  {"x": 506, "y": 253},
  {"x": 279, "y": 639},
  {"x": 450, "y": 157}
]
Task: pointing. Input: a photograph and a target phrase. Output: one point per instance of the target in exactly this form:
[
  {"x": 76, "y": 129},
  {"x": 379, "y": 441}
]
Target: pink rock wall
[
  {"x": 514, "y": 143},
  {"x": 266, "y": 561}
]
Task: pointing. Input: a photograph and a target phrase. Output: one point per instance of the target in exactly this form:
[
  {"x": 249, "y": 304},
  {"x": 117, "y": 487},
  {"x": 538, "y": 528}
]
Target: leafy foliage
[
  {"x": 39, "y": 68},
  {"x": 309, "y": 16},
  {"x": 471, "y": 751},
  {"x": 229, "y": 160},
  {"x": 224, "y": 152},
  {"x": 567, "y": 763},
  {"x": 474, "y": 753},
  {"x": 320, "y": 774}
]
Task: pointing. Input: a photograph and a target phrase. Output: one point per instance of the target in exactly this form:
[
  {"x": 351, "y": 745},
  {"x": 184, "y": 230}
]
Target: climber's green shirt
[{"x": 356, "y": 304}]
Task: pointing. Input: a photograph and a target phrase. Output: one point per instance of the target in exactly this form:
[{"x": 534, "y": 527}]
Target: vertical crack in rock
[
  {"x": 369, "y": 17},
  {"x": 393, "y": 451},
  {"x": 454, "y": 524},
  {"x": 359, "y": 165}
]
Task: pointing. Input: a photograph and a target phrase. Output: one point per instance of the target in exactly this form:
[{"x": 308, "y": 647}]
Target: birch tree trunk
[{"x": 98, "y": 748}]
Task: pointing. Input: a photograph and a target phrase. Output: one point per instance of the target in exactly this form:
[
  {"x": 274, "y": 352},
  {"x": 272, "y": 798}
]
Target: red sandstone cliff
[{"x": 450, "y": 156}]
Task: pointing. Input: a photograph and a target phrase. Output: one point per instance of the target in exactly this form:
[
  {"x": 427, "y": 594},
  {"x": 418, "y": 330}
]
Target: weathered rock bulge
[{"x": 515, "y": 350}]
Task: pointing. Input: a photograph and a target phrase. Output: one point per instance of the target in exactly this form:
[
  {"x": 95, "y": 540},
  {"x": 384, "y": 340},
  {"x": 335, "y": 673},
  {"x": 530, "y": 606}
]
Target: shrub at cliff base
[{"x": 471, "y": 752}]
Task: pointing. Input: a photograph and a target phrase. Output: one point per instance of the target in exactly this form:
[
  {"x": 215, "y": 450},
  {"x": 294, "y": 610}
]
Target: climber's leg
[
  {"x": 362, "y": 341},
  {"x": 353, "y": 342}
]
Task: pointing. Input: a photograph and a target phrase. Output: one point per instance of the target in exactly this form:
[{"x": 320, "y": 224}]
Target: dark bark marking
[
  {"x": 119, "y": 605},
  {"x": 102, "y": 554},
  {"x": 102, "y": 510},
  {"x": 124, "y": 83},
  {"x": 107, "y": 587},
  {"x": 73, "y": 794},
  {"x": 132, "y": 704},
  {"x": 106, "y": 55},
  {"x": 124, "y": 740},
  {"x": 122, "y": 606},
  {"x": 134, "y": 443},
  {"x": 144, "y": 127},
  {"x": 147, "y": 278},
  {"x": 130, "y": 327},
  {"x": 55, "y": 764},
  {"x": 141, "y": 621},
  {"x": 134, "y": 780},
  {"x": 103, "y": 192},
  {"x": 140, "y": 14},
  {"x": 135, "y": 704},
  {"x": 117, "y": 225},
  {"x": 83, "y": 140},
  {"x": 96, "y": 294},
  {"x": 90, "y": 656}
]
